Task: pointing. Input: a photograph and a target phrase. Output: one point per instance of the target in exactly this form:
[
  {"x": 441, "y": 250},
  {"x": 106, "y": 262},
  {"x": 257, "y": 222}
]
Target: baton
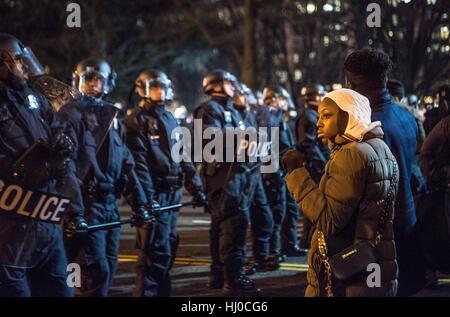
[{"x": 115, "y": 224}]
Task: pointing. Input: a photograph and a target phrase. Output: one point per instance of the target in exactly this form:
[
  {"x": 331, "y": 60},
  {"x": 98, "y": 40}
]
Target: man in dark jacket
[
  {"x": 149, "y": 135},
  {"x": 260, "y": 214},
  {"x": 397, "y": 92},
  {"x": 225, "y": 184},
  {"x": 36, "y": 152},
  {"x": 111, "y": 168},
  {"x": 366, "y": 72}
]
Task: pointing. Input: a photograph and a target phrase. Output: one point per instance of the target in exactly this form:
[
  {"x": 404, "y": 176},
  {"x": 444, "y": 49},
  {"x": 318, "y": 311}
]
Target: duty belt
[
  {"x": 101, "y": 191},
  {"x": 167, "y": 183},
  {"x": 37, "y": 205}
]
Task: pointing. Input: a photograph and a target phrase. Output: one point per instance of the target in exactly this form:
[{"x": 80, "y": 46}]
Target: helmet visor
[
  {"x": 150, "y": 83},
  {"x": 93, "y": 83},
  {"x": 27, "y": 65}
]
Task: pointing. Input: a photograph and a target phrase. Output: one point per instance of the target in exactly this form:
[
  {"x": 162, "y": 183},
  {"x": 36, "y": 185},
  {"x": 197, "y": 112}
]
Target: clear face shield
[
  {"x": 283, "y": 103},
  {"x": 26, "y": 65},
  {"x": 239, "y": 98},
  {"x": 93, "y": 83},
  {"x": 251, "y": 99},
  {"x": 144, "y": 89}
]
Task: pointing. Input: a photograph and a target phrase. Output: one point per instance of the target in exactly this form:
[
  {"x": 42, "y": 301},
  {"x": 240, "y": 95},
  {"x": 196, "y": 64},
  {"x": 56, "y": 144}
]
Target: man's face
[
  {"x": 20, "y": 69},
  {"x": 283, "y": 103},
  {"x": 273, "y": 103},
  {"x": 240, "y": 100},
  {"x": 229, "y": 89},
  {"x": 157, "y": 93},
  {"x": 93, "y": 86},
  {"x": 140, "y": 86},
  {"x": 327, "y": 125}
]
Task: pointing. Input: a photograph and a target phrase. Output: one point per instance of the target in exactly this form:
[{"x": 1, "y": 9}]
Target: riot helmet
[
  {"x": 94, "y": 77},
  {"x": 222, "y": 79},
  {"x": 19, "y": 61},
  {"x": 312, "y": 94},
  {"x": 153, "y": 78}
]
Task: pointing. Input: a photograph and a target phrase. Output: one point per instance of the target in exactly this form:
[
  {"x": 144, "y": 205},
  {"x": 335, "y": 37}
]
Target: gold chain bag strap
[{"x": 355, "y": 258}]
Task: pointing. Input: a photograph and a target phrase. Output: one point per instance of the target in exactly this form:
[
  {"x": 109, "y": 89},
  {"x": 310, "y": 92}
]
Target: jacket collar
[
  {"x": 378, "y": 98},
  {"x": 155, "y": 109},
  {"x": 225, "y": 101},
  {"x": 341, "y": 139}
]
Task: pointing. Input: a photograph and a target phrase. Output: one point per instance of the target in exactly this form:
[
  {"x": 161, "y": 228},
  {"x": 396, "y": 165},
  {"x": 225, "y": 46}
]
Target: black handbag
[
  {"x": 355, "y": 258},
  {"x": 352, "y": 260}
]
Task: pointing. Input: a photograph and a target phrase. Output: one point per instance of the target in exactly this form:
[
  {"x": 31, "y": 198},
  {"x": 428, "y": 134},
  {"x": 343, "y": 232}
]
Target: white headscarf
[{"x": 359, "y": 113}]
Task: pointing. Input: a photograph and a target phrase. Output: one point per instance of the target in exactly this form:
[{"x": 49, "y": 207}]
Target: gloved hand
[
  {"x": 154, "y": 206},
  {"x": 77, "y": 225},
  {"x": 59, "y": 168},
  {"x": 292, "y": 159},
  {"x": 141, "y": 216},
  {"x": 61, "y": 144},
  {"x": 199, "y": 199}
]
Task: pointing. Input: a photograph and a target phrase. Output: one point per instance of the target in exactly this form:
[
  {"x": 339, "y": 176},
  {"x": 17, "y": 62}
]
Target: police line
[{"x": 37, "y": 205}]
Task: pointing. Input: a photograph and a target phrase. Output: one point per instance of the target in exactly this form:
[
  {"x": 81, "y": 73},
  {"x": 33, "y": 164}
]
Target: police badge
[
  {"x": 227, "y": 116},
  {"x": 33, "y": 103}
]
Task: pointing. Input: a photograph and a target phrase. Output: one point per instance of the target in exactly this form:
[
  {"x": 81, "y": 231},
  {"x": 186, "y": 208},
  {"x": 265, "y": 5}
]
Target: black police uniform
[
  {"x": 285, "y": 210},
  {"x": 260, "y": 214},
  {"x": 227, "y": 195},
  {"x": 149, "y": 138},
  {"x": 110, "y": 168},
  {"x": 40, "y": 267}
]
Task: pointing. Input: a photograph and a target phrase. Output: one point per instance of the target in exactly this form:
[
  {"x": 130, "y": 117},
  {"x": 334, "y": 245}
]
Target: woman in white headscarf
[{"x": 347, "y": 205}]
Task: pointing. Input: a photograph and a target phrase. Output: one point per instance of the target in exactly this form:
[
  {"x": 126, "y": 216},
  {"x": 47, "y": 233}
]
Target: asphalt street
[{"x": 190, "y": 272}]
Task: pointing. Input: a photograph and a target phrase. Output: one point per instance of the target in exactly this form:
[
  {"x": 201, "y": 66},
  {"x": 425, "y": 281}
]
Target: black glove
[
  {"x": 77, "y": 225},
  {"x": 59, "y": 167},
  {"x": 292, "y": 159},
  {"x": 61, "y": 144},
  {"x": 141, "y": 216},
  {"x": 154, "y": 206},
  {"x": 199, "y": 200}
]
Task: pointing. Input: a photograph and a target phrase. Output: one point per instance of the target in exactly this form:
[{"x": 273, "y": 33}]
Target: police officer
[
  {"x": 225, "y": 184},
  {"x": 279, "y": 199},
  {"x": 94, "y": 77},
  {"x": 290, "y": 243},
  {"x": 149, "y": 137},
  {"x": 306, "y": 130},
  {"x": 111, "y": 169},
  {"x": 260, "y": 214},
  {"x": 317, "y": 153},
  {"x": 36, "y": 158}
]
